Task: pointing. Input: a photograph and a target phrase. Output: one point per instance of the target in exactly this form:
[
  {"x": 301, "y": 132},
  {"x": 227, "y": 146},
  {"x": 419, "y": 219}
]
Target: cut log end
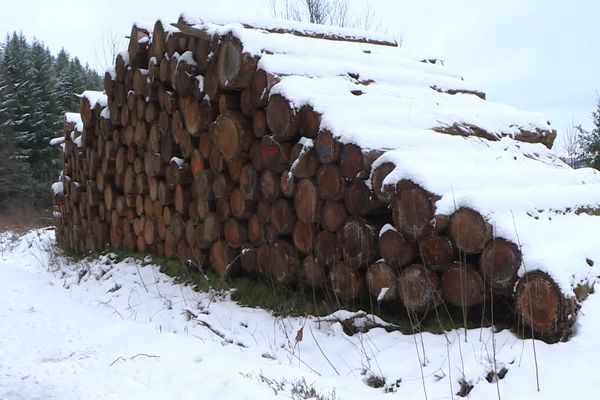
[
  {"x": 499, "y": 264},
  {"x": 282, "y": 118},
  {"x": 462, "y": 285},
  {"x": 469, "y": 231},
  {"x": 382, "y": 282},
  {"x": 540, "y": 305},
  {"x": 418, "y": 289}
]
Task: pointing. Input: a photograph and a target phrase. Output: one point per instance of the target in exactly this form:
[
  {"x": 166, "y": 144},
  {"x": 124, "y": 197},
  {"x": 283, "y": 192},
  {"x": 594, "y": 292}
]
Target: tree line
[{"x": 36, "y": 89}]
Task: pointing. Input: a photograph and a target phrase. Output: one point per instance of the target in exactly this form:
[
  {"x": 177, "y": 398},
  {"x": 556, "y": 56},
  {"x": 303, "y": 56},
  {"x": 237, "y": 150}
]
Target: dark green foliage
[
  {"x": 591, "y": 140},
  {"x": 36, "y": 89}
]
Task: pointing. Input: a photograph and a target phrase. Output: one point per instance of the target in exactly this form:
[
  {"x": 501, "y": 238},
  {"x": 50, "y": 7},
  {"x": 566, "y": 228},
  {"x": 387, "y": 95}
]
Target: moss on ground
[{"x": 258, "y": 291}]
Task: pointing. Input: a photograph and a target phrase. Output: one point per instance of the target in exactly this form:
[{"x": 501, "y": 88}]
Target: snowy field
[{"x": 106, "y": 330}]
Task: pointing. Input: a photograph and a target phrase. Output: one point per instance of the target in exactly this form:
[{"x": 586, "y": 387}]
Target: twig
[
  {"x": 133, "y": 358},
  {"x": 322, "y": 352},
  {"x": 537, "y": 376}
]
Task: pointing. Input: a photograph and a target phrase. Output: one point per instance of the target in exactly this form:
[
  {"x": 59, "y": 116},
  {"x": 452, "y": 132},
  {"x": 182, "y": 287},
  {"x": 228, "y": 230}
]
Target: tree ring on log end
[
  {"x": 282, "y": 118},
  {"x": 469, "y": 231},
  {"x": 499, "y": 264},
  {"x": 230, "y": 61},
  {"x": 539, "y": 303},
  {"x": 418, "y": 289},
  {"x": 462, "y": 285}
]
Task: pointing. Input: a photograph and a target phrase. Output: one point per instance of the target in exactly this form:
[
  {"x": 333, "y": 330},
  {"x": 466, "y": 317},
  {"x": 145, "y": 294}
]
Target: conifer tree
[
  {"x": 36, "y": 89},
  {"x": 591, "y": 139}
]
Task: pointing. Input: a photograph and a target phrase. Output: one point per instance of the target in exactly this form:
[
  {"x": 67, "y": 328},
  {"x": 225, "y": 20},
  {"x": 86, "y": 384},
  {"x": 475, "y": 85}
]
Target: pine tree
[
  {"x": 36, "y": 89},
  {"x": 45, "y": 118},
  {"x": 66, "y": 96},
  {"x": 591, "y": 139}
]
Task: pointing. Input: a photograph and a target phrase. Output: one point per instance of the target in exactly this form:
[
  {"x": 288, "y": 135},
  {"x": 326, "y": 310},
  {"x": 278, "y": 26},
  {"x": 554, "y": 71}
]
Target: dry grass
[{"x": 22, "y": 219}]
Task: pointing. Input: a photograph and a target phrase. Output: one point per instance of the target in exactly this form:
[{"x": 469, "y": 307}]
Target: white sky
[{"x": 536, "y": 55}]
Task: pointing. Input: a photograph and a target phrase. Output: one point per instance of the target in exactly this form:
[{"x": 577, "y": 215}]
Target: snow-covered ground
[{"x": 122, "y": 330}]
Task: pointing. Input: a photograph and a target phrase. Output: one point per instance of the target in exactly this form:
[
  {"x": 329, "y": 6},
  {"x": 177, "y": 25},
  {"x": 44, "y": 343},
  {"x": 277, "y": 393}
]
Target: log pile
[{"x": 187, "y": 155}]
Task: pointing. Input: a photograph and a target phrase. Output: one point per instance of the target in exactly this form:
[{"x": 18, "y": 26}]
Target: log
[
  {"x": 183, "y": 197},
  {"x": 305, "y": 163},
  {"x": 273, "y": 155},
  {"x": 395, "y": 250},
  {"x": 149, "y": 231},
  {"x": 356, "y": 163},
  {"x": 165, "y": 194},
  {"x": 241, "y": 207},
  {"x": 259, "y": 124},
  {"x": 287, "y": 184},
  {"x": 282, "y": 118},
  {"x": 157, "y": 47},
  {"x": 283, "y": 266},
  {"x": 310, "y": 121},
  {"x": 138, "y": 46},
  {"x": 205, "y": 144},
  {"x": 223, "y": 259},
  {"x": 202, "y": 185},
  {"x": 469, "y": 231},
  {"x": 223, "y": 209},
  {"x": 183, "y": 77},
  {"x": 235, "y": 165},
  {"x": 357, "y": 197},
  {"x": 303, "y": 237},
  {"x": 306, "y": 201},
  {"x": 499, "y": 264},
  {"x": 347, "y": 283},
  {"x": 235, "y": 233},
  {"x": 333, "y": 215},
  {"x": 384, "y": 193},
  {"x": 233, "y": 134},
  {"x": 358, "y": 243},
  {"x": 263, "y": 210},
  {"x": 190, "y": 112},
  {"x": 418, "y": 289},
  {"x": 412, "y": 212},
  {"x": 462, "y": 285},
  {"x": 249, "y": 182},
  {"x": 248, "y": 260},
  {"x": 330, "y": 182},
  {"x": 282, "y": 216},
  {"x": 269, "y": 185},
  {"x": 437, "y": 252},
  {"x": 235, "y": 67},
  {"x": 326, "y": 248},
  {"x": 256, "y": 232},
  {"x": 261, "y": 88},
  {"x": 216, "y": 160},
  {"x": 222, "y": 186},
  {"x": 382, "y": 282},
  {"x": 541, "y": 306},
  {"x": 314, "y": 273},
  {"x": 209, "y": 231},
  {"x": 327, "y": 147}
]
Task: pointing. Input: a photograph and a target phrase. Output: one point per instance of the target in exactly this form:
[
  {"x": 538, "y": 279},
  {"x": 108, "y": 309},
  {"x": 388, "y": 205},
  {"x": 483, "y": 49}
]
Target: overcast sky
[{"x": 536, "y": 55}]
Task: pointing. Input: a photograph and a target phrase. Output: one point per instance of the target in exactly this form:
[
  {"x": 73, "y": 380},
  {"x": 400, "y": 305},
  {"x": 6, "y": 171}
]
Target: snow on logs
[{"x": 191, "y": 153}]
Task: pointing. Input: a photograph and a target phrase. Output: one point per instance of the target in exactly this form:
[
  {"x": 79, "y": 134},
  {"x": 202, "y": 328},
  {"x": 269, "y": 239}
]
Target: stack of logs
[{"x": 193, "y": 158}]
